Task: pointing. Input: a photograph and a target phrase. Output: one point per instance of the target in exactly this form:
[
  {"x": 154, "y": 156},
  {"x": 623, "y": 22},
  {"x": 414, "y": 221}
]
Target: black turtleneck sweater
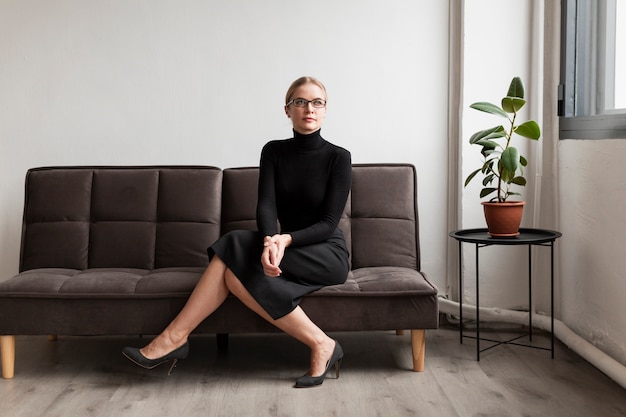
[{"x": 304, "y": 183}]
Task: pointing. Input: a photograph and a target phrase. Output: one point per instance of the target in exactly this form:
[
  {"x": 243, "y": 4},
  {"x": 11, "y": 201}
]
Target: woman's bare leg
[
  {"x": 209, "y": 293},
  {"x": 297, "y": 324}
]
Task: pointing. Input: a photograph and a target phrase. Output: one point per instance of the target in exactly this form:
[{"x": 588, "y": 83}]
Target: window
[{"x": 592, "y": 94}]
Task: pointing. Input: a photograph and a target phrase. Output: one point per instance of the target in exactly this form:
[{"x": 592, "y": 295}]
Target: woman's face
[{"x": 309, "y": 118}]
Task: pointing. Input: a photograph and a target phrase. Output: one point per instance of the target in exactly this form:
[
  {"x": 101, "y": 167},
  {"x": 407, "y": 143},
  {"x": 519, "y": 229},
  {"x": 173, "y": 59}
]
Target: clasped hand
[{"x": 273, "y": 252}]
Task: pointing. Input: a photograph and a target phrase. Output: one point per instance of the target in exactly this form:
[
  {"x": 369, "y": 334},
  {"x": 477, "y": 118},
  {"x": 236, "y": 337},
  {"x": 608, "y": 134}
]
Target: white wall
[
  {"x": 592, "y": 195},
  {"x": 202, "y": 82}
]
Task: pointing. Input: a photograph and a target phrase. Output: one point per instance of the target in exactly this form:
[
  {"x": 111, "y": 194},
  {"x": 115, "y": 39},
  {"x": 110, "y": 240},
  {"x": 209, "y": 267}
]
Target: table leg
[
  {"x": 461, "y": 289},
  {"x": 530, "y": 293},
  {"x": 477, "y": 309},
  {"x": 552, "y": 298}
]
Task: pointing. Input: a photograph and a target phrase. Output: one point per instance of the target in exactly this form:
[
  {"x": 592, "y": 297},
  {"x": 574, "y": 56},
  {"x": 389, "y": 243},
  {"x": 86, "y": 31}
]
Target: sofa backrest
[
  {"x": 124, "y": 217},
  {"x": 383, "y": 220},
  {"x": 158, "y": 217},
  {"x": 379, "y": 222}
]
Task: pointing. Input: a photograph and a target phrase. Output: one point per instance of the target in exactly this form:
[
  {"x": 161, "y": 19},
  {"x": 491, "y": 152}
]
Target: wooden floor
[{"x": 88, "y": 376}]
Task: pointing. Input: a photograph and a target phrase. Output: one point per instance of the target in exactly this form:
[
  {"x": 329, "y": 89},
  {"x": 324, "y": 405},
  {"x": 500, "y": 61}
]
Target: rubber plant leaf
[
  {"x": 489, "y": 108},
  {"x": 510, "y": 162},
  {"x": 516, "y": 88},
  {"x": 512, "y": 104},
  {"x": 529, "y": 129},
  {"x": 471, "y": 176},
  {"x": 492, "y": 133},
  {"x": 486, "y": 191}
]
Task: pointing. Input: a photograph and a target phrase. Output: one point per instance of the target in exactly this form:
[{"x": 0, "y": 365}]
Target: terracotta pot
[{"x": 503, "y": 219}]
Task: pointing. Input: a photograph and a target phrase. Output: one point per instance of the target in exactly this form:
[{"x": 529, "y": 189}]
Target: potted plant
[{"x": 503, "y": 166}]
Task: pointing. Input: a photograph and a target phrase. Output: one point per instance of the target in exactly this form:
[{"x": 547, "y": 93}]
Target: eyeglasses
[{"x": 318, "y": 103}]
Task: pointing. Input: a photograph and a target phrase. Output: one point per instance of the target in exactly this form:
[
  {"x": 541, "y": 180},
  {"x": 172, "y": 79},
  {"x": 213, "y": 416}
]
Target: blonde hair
[{"x": 300, "y": 82}]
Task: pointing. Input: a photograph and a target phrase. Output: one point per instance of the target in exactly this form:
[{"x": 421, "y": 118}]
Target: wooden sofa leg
[
  {"x": 52, "y": 337},
  {"x": 400, "y": 332},
  {"x": 7, "y": 351},
  {"x": 418, "y": 346}
]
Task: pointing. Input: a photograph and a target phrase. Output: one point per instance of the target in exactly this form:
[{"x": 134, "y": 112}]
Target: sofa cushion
[
  {"x": 384, "y": 279},
  {"x": 376, "y": 298},
  {"x": 102, "y": 283},
  {"x": 130, "y": 301}
]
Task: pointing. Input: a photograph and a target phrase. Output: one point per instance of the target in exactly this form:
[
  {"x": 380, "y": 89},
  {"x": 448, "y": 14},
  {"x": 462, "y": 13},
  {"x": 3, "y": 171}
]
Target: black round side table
[{"x": 530, "y": 237}]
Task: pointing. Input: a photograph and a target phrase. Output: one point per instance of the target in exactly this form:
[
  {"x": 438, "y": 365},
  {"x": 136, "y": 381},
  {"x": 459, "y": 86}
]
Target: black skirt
[{"x": 304, "y": 268}]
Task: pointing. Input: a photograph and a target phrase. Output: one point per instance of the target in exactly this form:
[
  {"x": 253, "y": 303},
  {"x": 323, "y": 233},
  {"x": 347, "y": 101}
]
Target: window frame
[{"x": 596, "y": 122}]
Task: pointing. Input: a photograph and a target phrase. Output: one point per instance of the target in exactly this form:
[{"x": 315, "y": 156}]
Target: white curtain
[
  {"x": 546, "y": 61},
  {"x": 548, "y": 207}
]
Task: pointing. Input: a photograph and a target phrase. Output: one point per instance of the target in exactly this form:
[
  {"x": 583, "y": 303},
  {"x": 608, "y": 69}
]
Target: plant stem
[{"x": 502, "y": 198}]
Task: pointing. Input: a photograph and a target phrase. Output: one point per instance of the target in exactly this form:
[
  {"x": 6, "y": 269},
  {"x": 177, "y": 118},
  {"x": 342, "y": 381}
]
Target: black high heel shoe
[
  {"x": 135, "y": 355},
  {"x": 308, "y": 381}
]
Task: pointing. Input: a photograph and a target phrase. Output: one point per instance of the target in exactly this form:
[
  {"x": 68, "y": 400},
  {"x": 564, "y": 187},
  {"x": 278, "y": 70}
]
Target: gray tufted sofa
[{"x": 118, "y": 250}]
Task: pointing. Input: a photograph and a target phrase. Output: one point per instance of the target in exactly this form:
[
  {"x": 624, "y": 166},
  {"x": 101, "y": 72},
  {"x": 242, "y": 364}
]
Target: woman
[{"x": 303, "y": 184}]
